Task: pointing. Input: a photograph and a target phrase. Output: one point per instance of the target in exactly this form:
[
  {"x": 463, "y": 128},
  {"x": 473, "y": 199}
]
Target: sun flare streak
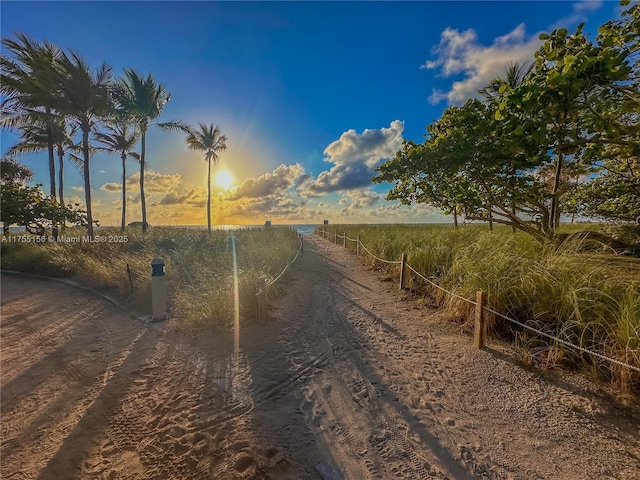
[{"x": 236, "y": 299}]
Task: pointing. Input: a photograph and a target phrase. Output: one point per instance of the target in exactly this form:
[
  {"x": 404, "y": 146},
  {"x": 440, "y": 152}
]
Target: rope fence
[
  {"x": 391, "y": 262},
  {"x": 263, "y": 285},
  {"x": 448, "y": 292},
  {"x": 480, "y": 323}
]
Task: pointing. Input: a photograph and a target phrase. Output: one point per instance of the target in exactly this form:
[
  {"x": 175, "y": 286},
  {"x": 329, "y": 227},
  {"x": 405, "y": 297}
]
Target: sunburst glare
[{"x": 224, "y": 179}]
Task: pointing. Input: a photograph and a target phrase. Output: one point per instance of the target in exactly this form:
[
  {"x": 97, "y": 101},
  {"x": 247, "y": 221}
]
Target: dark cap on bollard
[{"x": 157, "y": 267}]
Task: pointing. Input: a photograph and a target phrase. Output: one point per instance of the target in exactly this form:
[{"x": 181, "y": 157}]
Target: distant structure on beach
[
  {"x": 138, "y": 224},
  {"x": 326, "y": 222},
  {"x": 267, "y": 223}
]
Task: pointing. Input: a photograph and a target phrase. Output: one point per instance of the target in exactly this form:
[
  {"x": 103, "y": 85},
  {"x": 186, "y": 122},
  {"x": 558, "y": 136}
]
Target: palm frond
[
  {"x": 209, "y": 139},
  {"x": 141, "y": 97},
  {"x": 175, "y": 125},
  {"x": 83, "y": 95},
  {"x": 24, "y": 148},
  {"x": 78, "y": 162}
]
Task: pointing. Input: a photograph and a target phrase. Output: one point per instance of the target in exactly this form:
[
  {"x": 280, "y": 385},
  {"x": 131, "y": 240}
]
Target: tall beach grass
[
  {"x": 578, "y": 292},
  {"x": 199, "y": 266}
]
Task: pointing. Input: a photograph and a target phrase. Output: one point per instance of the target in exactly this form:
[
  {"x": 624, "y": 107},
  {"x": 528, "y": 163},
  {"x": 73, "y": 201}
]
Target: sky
[{"x": 312, "y": 96}]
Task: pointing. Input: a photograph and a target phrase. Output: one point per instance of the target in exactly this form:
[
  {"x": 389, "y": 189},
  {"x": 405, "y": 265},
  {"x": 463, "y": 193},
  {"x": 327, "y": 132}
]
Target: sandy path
[{"x": 343, "y": 373}]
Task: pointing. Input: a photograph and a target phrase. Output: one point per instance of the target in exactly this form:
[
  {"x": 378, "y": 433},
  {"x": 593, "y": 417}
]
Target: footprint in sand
[{"x": 243, "y": 462}]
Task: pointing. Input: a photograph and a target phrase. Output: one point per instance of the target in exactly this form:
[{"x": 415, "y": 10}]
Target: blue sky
[{"x": 312, "y": 95}]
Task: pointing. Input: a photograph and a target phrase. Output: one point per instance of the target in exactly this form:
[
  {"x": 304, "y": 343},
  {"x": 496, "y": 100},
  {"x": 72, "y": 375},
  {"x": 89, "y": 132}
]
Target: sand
[{"x": 347, "y": 374}]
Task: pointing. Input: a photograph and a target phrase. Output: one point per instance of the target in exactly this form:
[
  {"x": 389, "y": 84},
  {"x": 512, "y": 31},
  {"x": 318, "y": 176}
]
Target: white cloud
[
  {"x": 354, "y": 157},
  {"x": 270, "y": 183},
  {"x": 362, "y": 198},
  {"x": 111, "y": 187},
  {"x": 580, "y": 13},
  {"x": 76, "y": 200},
  {"x": 154, "y": 182},
  {"x": 460, "y": 53}
]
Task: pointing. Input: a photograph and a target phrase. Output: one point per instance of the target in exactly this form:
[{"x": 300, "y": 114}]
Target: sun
[{"x": 224, "y": 179}]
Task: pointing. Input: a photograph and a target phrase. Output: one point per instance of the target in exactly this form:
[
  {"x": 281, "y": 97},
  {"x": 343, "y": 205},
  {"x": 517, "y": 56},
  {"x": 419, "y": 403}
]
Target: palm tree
[
  {"x": 28, "y": 84},
  {"x": 121, "y": 138},
  {"x": 84, "y": 99},
  {"x": 514, "y": 76},
  {"x": 143, "y": 99},
  {"x": 210, "y": 140},
  {"x": 35, "y": 138}
]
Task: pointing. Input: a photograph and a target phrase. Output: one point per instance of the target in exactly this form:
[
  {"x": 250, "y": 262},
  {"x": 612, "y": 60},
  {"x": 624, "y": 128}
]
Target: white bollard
[{"x": 158, "y": 290}]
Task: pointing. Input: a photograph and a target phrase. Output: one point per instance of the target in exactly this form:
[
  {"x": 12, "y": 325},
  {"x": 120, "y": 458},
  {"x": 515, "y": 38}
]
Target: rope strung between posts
[
  {"x": 284, "y": 269},
  {"x": 563, "y": 342},
  {"x": 438, "y": 286},
  {"x": 513, "y": 320},
  {"x": 378, "y": 258}
]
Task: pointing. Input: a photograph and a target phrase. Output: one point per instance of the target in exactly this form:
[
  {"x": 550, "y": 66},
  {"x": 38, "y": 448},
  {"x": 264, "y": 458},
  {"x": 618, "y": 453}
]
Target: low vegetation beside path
[
  {"x": 199, "y": 266},
  {"x": 580, "y": 292}
]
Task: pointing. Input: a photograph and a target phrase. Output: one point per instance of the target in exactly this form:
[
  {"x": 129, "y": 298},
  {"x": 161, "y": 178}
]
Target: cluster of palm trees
[{"x": 51, "y": 97}]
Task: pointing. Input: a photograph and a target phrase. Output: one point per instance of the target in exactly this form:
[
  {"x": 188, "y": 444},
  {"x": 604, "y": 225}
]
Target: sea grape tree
[{"x": 570, "y": 118}]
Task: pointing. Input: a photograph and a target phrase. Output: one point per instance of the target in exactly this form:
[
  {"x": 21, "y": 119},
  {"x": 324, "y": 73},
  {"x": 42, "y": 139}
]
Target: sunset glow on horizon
[{"x": 308, "y": 115}]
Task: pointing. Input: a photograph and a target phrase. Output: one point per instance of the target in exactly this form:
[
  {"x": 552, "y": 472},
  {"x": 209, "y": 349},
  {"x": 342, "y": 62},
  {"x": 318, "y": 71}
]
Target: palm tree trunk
[
  {"x": 209, "y": 198},
  {"x": 455, "y": 217},
  {"x": 60, "y": 176},
  {"x": 87, "y": 179},
  {"x": 124, "y": 191},
  {"x": 61, "y": 182},
  {"x": 143, "y": 201},
  {"x": 52, "y": 165}
]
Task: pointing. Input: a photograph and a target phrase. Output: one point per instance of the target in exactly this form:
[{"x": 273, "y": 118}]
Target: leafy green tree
[
  {"x": 467, "y": 165},
  {"x": 614, "y": 194},
  {"x": 609, "y": 197},
  {"x": 511, "y": 158},
  {"x": 420, "y": 176},
  {"x": 208, "y": 139},
  {"x": 27, "y": 206},
  {"x": 121, "y": 138},
  {"x": 143, "y": 99},
  {"x": 553, "y": 110},
  {"x": 12, "y": 171}
]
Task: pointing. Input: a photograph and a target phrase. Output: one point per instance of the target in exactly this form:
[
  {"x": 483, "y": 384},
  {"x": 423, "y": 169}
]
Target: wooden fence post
[
  {"x": 404, "y": 259},
  {"x": 480, "y": 332},
  {"x": 358, "y": 246},
  {"x": 344, "y": 240},
  {"x": 335, "y": 237}
]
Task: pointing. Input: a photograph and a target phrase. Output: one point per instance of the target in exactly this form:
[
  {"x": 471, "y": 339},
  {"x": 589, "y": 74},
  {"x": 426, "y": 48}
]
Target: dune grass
[
  {"x": 199, "y": 267},
  {"x": 579, "y": 292}
]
